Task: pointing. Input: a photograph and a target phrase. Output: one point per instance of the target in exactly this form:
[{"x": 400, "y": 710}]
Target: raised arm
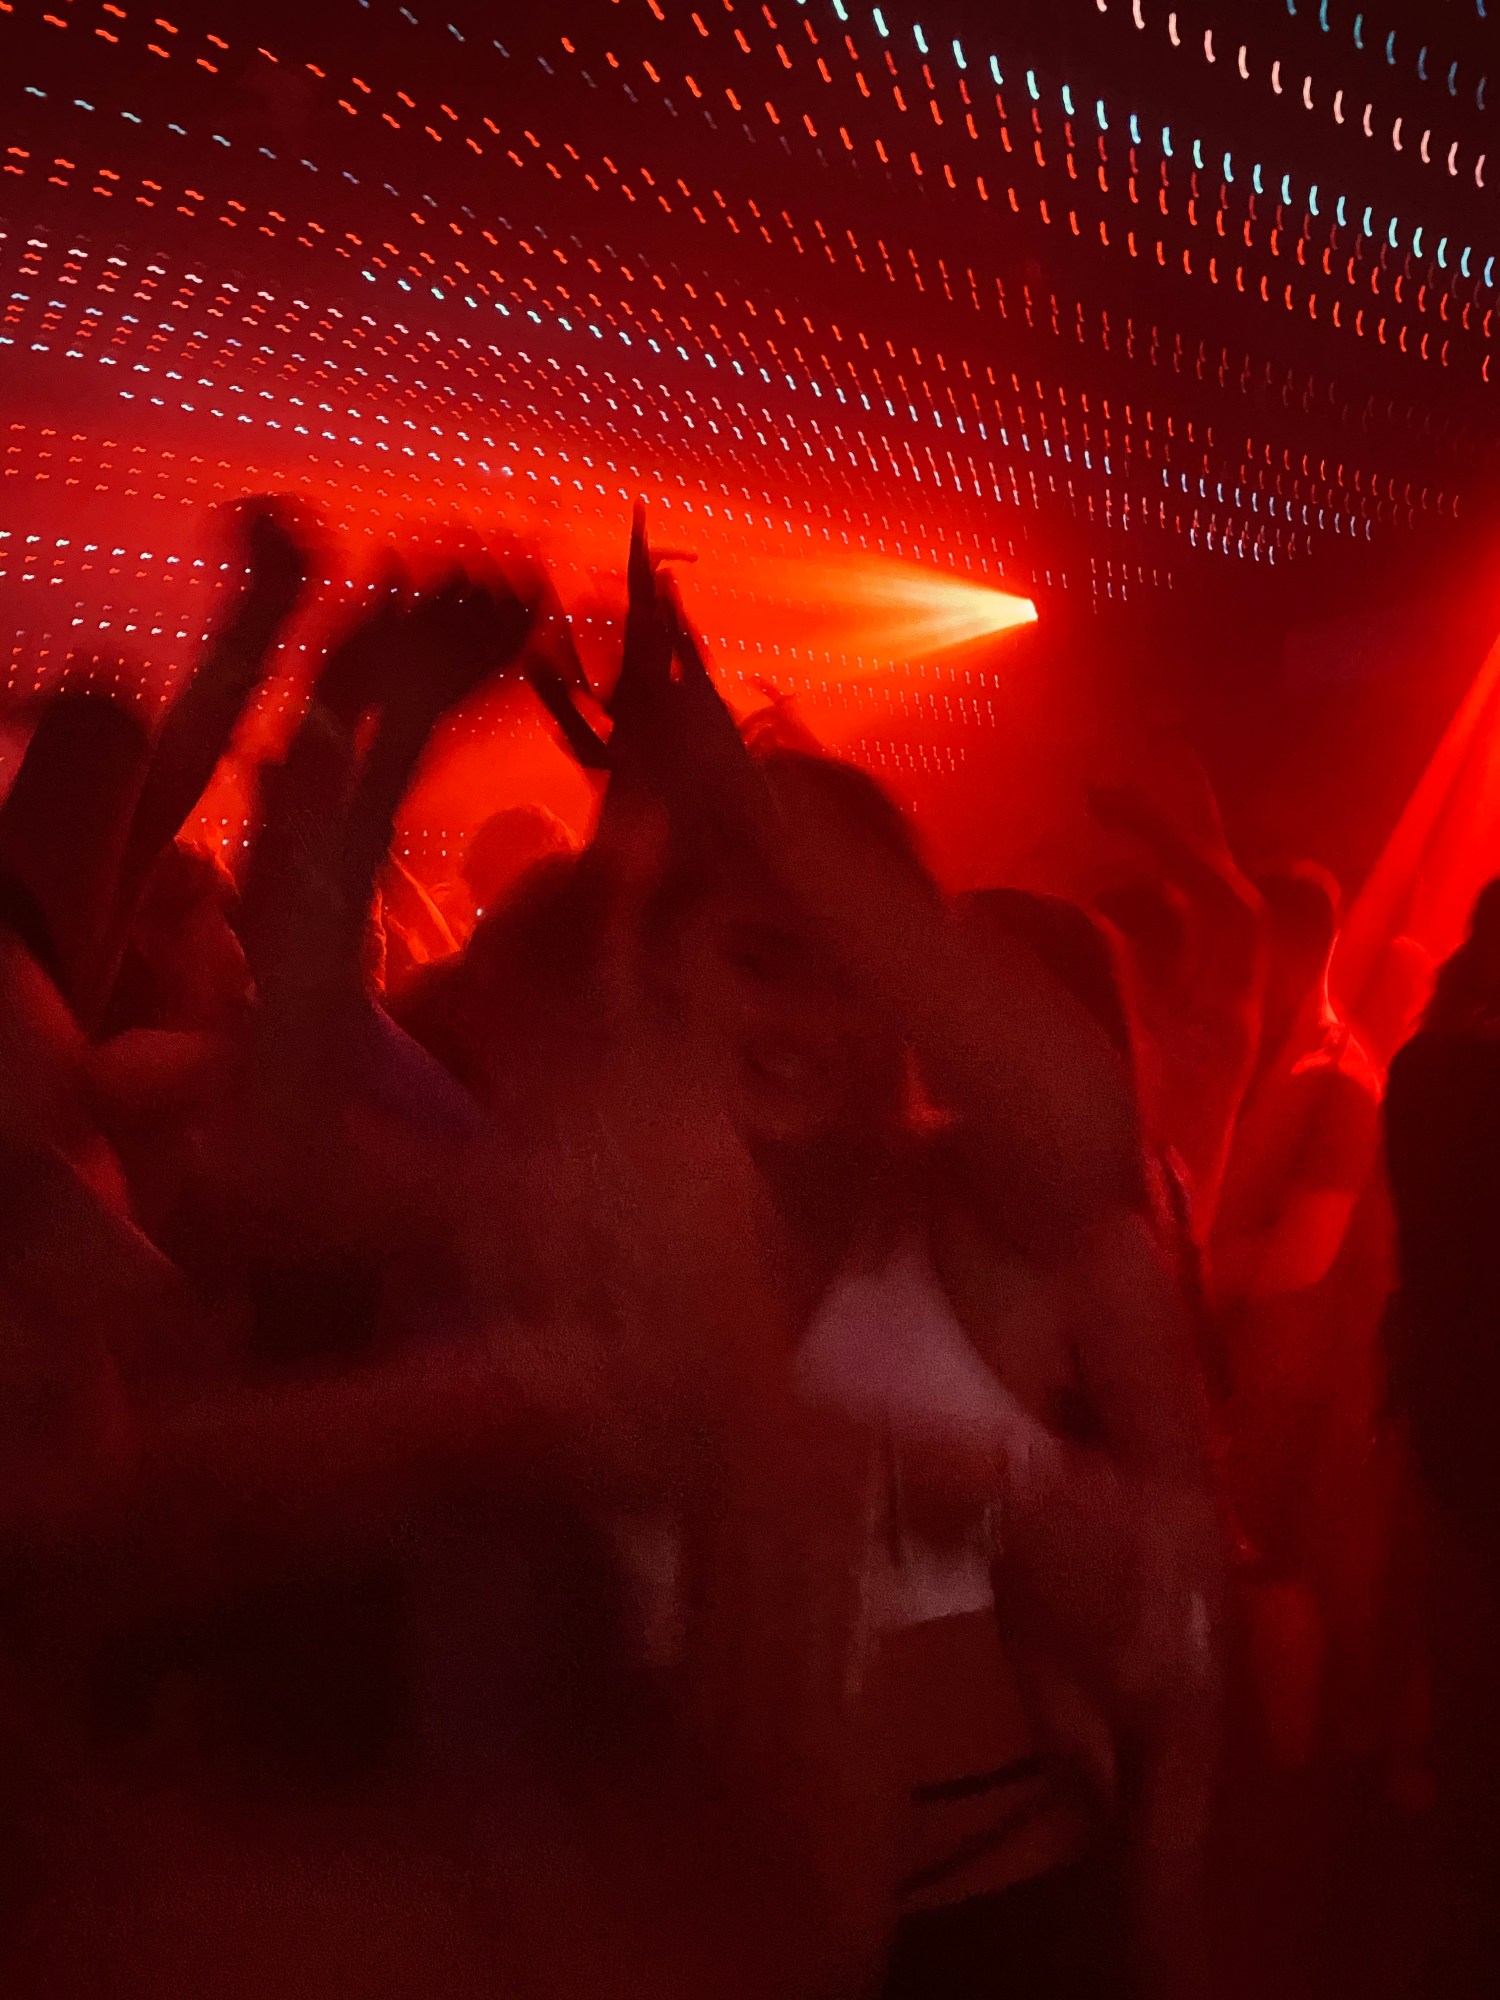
[
  {"x": 198, "y": 726},
  {"x": 673, "y": 736},
  {"x": 291, "y": 887},
  {"x": 451, "y": 644}
]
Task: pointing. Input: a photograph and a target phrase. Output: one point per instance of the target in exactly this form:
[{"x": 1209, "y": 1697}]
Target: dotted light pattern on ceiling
[{"x": 1106, "y": 296}]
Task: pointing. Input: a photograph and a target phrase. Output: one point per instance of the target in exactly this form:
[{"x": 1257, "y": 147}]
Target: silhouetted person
[
  {"x": 1443, "y": 1144},
  {"x": 507, "y": 846}
]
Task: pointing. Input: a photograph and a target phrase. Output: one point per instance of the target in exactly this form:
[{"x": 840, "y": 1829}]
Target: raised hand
[
  {"x": 671, "y": 727},
  {"x": 276, "y": 541},
  {"x": 646, "y": 660},
  {"x": 458, "y": 637},
  {"x": 362, "y": 664}
]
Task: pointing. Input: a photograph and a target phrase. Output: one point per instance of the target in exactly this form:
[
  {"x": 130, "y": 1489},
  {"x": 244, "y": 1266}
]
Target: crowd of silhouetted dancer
[{"x": 690, "y": 1414}]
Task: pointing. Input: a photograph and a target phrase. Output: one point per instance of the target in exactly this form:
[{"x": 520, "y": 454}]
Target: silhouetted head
[
  {"x": 817, "y": 1074},
  {"x": 1468, "y": 985},
  {"x": 1484, "y": 927},
  {"x": 505, "y": 847},
  {"x": 501, "y": 1013}
]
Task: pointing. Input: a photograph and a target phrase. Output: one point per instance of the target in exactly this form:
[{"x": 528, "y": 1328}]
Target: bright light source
[
  {"x": 926, "y": 612},
  {"x": 876, "y": 609}
]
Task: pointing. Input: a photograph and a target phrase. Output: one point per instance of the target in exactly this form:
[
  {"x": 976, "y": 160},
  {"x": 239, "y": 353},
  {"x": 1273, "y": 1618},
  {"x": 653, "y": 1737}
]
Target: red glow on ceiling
[{"x": 895, "y": 322}]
